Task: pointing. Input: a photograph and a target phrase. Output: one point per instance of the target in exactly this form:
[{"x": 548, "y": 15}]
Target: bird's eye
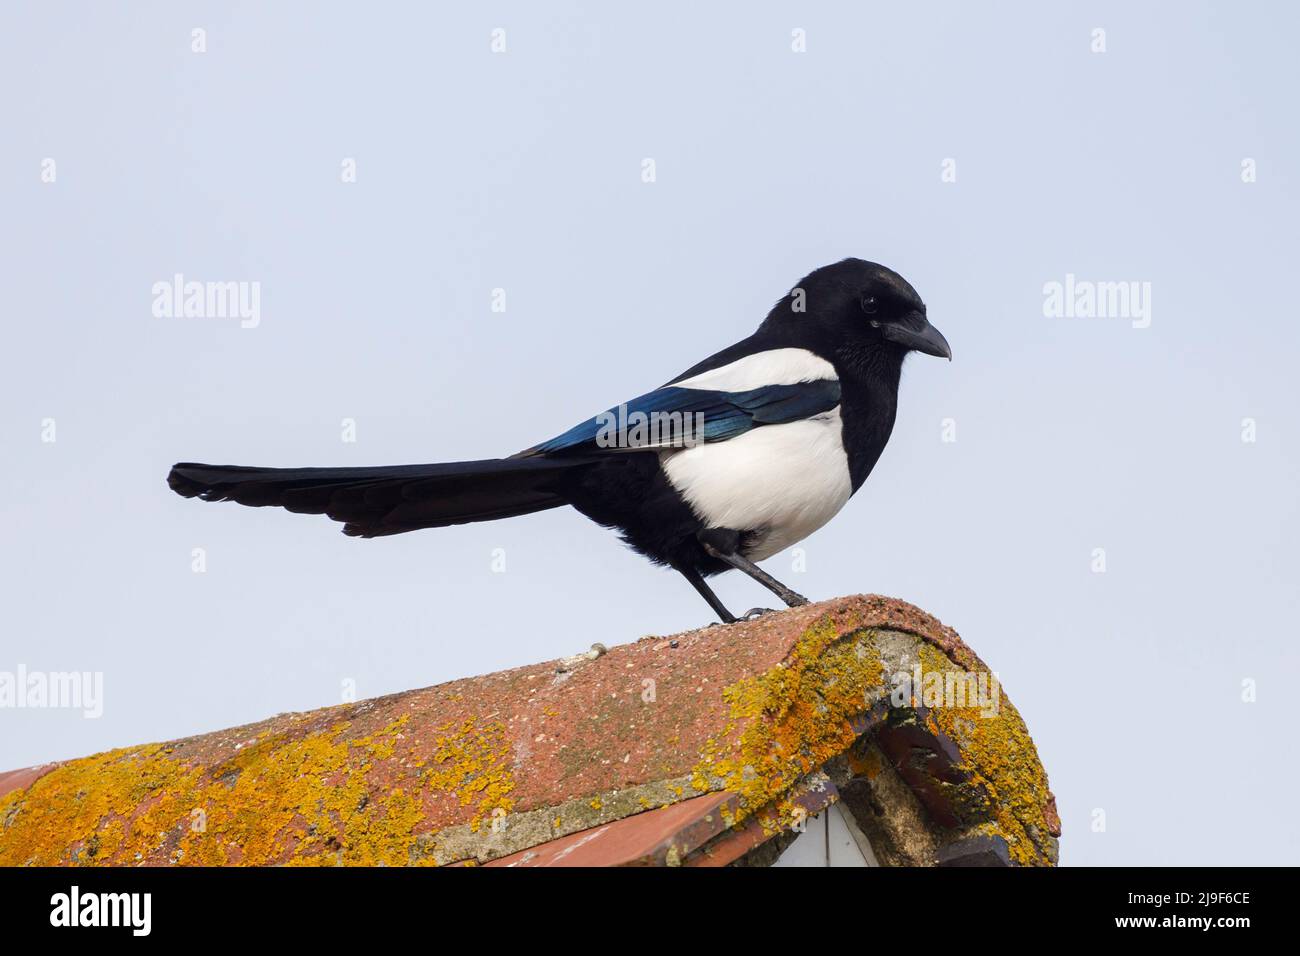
[{"x": 869, "y": 304}]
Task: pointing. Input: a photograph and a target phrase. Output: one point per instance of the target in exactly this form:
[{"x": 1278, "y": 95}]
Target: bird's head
[{"x": 855, "y": 306}]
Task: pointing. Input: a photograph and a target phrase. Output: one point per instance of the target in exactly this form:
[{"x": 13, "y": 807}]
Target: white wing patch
[{"x": 773, "y": 367}]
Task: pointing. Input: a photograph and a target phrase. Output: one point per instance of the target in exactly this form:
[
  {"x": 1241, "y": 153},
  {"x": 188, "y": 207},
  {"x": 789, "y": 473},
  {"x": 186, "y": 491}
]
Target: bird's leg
[
  {"x": 706, "y": 592},
  {"x": 742, "y": 563}
]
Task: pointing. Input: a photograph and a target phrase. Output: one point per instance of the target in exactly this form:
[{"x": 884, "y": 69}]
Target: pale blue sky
[{"x": 522, "y": 171}]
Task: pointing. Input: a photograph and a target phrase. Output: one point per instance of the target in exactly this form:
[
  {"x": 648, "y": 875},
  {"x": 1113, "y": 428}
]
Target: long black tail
[{"x": 387, "y": 499}]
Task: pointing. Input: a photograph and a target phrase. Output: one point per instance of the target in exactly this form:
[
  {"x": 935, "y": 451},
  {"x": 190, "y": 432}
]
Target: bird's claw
[{"x": 754, "y": 613}]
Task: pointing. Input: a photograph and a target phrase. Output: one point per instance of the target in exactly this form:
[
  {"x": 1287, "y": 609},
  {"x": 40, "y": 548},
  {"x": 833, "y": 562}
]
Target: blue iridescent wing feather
[{"x": 677, "y": 417}]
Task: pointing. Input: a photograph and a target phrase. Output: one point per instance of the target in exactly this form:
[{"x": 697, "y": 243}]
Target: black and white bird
[{"x": 734, "y": 460}]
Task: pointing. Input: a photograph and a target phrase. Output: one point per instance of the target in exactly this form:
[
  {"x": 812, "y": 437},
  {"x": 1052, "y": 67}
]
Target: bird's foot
[{"x": 754, "y": 613}]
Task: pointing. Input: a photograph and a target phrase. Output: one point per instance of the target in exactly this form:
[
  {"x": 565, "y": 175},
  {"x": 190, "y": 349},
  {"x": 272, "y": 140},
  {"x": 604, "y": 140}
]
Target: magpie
[{"x": 735, "y": 459}]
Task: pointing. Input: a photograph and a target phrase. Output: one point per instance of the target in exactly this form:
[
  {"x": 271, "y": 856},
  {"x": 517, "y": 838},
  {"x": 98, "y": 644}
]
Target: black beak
[{"x": 915, "y": 332}]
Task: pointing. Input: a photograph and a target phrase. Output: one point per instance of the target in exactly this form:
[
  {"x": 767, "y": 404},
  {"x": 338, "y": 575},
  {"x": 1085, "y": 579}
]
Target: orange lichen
[
  {"x": 791, "y": 719},
  {"x": 281, "y": 799},
  {"x": 474, "y": 763},
  {"x": 1006, "y": 782},
  {"x": 85, "y": 811},
  {"x": 867, "y": 764}
]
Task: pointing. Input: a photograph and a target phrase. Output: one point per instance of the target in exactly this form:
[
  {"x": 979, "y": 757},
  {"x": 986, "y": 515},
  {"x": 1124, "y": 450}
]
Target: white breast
[{"x": 781, "y": 482}]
